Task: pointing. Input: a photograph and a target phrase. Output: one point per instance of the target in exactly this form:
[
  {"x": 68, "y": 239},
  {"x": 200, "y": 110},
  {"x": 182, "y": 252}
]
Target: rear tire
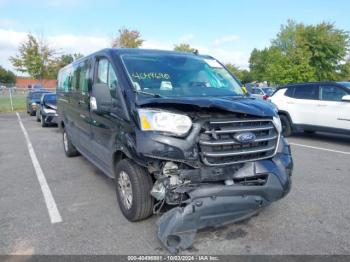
[
  {"x": 131, "y": 179},
  {"x": 286, "y": 126},
  {"x": 69, "y": 148}
]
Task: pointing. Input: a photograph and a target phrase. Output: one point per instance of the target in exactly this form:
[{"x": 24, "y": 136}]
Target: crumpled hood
[
  {"x": 233, "y": 104},
  {"x": 52, "y": 106}
]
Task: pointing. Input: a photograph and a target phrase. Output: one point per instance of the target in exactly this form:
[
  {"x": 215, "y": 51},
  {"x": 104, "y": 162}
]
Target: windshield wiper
[{"x": 147, "y": 93}]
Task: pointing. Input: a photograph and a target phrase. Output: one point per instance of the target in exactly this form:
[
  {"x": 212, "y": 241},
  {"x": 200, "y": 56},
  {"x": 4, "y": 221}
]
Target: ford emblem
[{"x": 245, "y": 137}]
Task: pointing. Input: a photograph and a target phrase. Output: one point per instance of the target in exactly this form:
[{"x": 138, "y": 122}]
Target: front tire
[
  {"x": 42, "y": 119},
  {"x": 286, "y": 126},
  {"x": 38, "y": 116},
  {"x": 69, "y": 148},
  {"x": 133, "y": 186}
]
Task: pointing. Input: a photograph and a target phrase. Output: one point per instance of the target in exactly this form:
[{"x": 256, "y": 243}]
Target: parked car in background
[
  {"x": 262, "y": 92},
  {"x": 175, "y": 130},
  {"x": 35, "y": 86},
  {"x": 317, "y": 106},
  {"x": 33, "y": 99},
  {"x": 46, "y": 112}
]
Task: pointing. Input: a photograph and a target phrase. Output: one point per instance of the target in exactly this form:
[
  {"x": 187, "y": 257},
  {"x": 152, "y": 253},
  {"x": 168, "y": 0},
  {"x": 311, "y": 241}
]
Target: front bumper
[
  {"x": 214, "y": 205},
  {"x": 51, "y": 118}
]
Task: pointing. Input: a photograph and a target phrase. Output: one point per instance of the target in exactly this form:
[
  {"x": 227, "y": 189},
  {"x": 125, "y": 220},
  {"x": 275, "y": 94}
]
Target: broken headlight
[
  {"x": 277, "y": 123},
  {"x": 156, "y": 120}
]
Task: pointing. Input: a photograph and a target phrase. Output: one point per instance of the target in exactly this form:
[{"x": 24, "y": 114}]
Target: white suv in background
[{"x": 317, "y": 106}]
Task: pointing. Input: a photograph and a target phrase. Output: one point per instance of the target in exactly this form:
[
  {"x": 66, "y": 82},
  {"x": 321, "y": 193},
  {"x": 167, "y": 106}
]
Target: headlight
[
  {"x": 277, "y": 123},
  {"x": 154, "y": 120}
]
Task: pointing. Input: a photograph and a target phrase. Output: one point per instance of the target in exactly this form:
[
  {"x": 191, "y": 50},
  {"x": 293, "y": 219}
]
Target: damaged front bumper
[{"x": 214, "y": 205}]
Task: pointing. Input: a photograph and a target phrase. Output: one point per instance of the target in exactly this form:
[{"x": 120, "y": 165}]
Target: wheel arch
[{"x": 285, "y": 113}]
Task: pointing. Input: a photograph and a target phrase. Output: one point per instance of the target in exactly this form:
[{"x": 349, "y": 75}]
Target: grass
[{"x": 19, "y": 103}]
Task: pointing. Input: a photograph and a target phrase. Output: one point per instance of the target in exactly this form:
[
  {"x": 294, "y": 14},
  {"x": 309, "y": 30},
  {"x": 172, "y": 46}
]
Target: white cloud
[
  {"x": 86, "y": 44},
  {"x": 155, "y": 44},
  {"x": 226, "y": 39},
  {"x": 10, "y": 40},
  {"x": 78, "y": 44},
  {"x": 4, "y": 22}
]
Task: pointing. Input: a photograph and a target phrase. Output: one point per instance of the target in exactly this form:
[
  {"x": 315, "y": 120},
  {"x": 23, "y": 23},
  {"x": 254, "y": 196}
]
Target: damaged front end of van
[{"x": 215, "y": 162}]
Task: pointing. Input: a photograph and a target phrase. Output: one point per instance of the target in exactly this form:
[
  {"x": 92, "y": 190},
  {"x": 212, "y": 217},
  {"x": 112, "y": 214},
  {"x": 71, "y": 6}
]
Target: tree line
[{"x": 298, "y": 53}]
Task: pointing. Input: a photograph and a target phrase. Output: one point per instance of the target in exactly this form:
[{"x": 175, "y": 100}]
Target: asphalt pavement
[{"x": 313, "y": 219}]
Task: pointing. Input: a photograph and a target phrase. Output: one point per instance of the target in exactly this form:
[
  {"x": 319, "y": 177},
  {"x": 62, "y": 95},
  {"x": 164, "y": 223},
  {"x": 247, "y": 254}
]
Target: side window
[
  {"x": 106, "y": 75},
  {"x": 75, "y": 78},
  {"x": 112, "y": 78},
  {"x": 63, "y": 84},
  {"x": 67, "y": 82},
  {"x": 332, "y": 93},
  {"x": 102, "y": 71},
  {"x": 289, "y": 92},
  {"x": 84, "y": 75},
  {"x": 306, "y": 92}
]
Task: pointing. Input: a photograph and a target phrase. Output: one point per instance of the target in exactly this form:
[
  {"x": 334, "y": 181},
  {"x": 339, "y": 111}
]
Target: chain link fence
[{"x": 12, "y": 98}]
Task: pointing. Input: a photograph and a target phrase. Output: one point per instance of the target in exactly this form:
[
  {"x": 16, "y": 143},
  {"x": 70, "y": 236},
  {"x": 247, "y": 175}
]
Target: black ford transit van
[{"x": 179, "y": 135}]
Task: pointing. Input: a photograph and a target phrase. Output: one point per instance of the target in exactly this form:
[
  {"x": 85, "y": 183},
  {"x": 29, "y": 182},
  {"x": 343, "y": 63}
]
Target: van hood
[
  {"x": 244, "y": 105},
  {"x": 51, "y": 105}
]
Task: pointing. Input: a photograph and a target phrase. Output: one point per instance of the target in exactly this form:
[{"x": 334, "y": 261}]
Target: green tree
[
  {"x": 34, "y": 57},
  {"x": 184, "y": 48},
  {"x": 127, "y": 39},
  {"x": 345, "y": 71},
  {"x": 302, "y": 53},
  {"x": 7, "y": 76},
  {"x": 61, "y": 62},
  {"x": 243, "y": 75}
]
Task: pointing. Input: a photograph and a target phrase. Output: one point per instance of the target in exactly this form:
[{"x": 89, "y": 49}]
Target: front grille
[{"x": 218, "y": 145}]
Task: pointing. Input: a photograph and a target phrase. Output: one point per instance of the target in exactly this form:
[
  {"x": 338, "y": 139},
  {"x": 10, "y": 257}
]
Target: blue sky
[{"x": 228, "y": 30}]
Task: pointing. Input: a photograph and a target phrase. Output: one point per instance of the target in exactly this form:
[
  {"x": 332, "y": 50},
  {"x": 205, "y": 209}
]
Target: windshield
[
  {"x": 180, "y": 75},
  {"x": 50, "y": 99},
  {"x": 37, "y": 95}
]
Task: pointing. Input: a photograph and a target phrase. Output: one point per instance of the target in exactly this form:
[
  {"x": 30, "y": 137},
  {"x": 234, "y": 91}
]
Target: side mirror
[
  {"x": 346, "y": 98},
  {"x": 93, "y": 104}
]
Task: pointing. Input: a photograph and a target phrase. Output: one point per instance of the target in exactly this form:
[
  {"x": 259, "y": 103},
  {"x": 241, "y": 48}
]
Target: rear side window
[
  {"x": 332, "y": 93},
  {"x": 64, "y": 80},
  {"x": 84, "y": 76},
  {"x": 309, "y": 92}
]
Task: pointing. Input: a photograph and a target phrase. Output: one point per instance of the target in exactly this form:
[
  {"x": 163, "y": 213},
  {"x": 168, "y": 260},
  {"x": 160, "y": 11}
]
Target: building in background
[{"x": 26, "y": 82}]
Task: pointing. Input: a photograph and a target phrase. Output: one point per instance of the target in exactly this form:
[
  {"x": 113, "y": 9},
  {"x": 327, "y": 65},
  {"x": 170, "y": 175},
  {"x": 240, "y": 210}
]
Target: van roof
[{"x": 122, "y": 51}]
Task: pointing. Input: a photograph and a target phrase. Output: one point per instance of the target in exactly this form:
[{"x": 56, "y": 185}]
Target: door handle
[
  {"x": 321, "y": 105},
  {"x": 291, "y": 103},
  {"x": 81, "y": 102}
]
